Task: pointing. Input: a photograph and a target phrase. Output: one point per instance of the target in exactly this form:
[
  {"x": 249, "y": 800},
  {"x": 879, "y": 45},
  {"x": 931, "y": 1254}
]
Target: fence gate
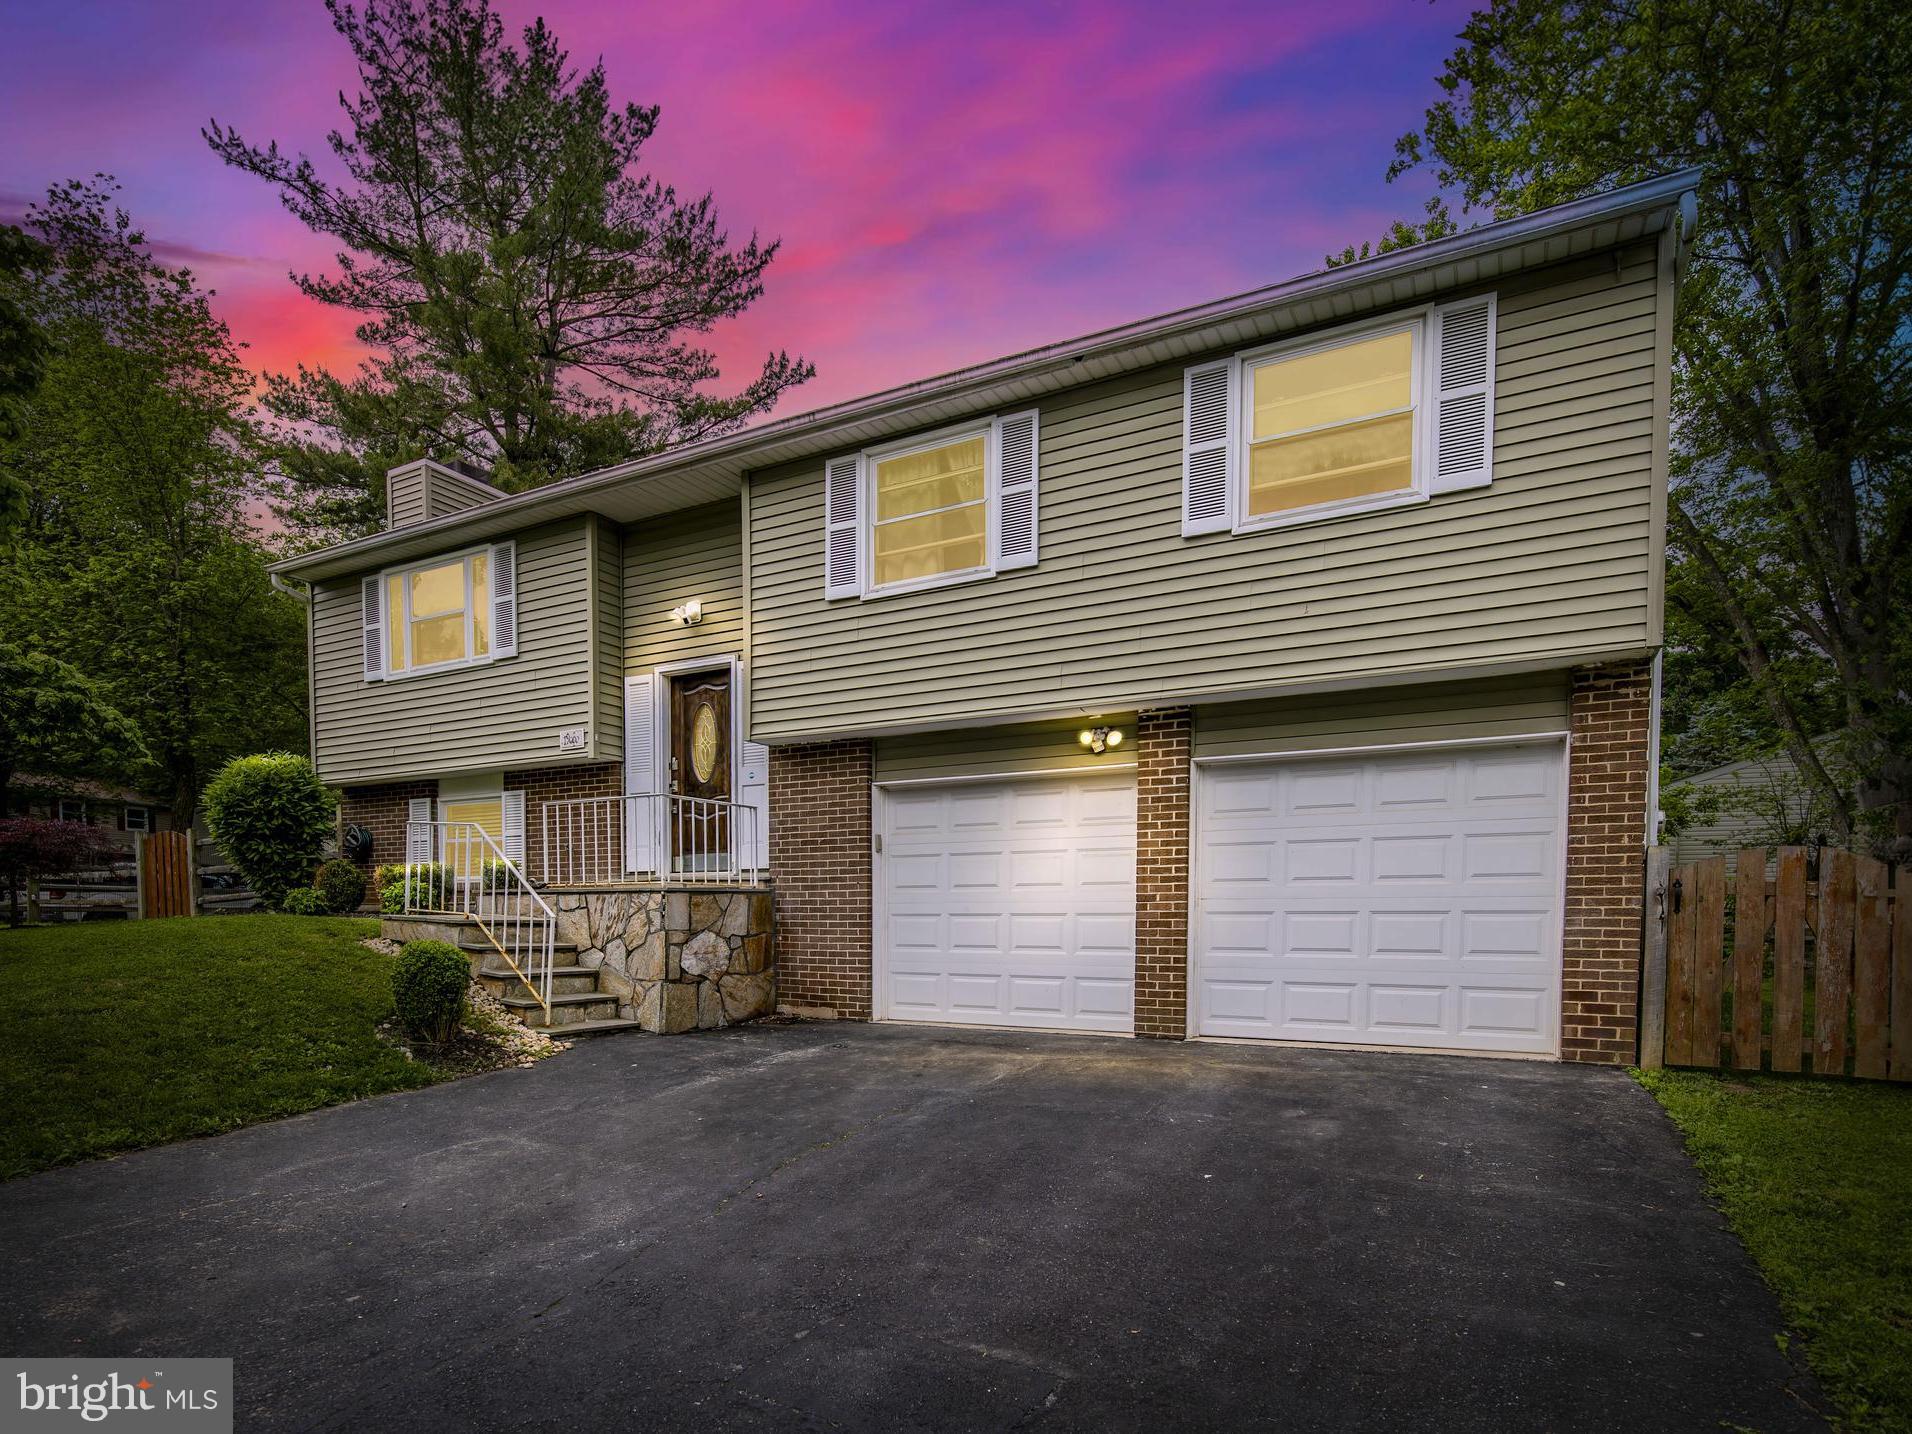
[
  {"x": 166, "y": 880},
  {"x": 1802, "y": 961}
]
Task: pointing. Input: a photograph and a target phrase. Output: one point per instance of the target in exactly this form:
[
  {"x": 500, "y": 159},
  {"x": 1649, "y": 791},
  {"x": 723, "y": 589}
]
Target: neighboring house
[
  {"x": 120, "y": 812},
  {"x": 1762, "y": 801},
  {"x": 1276, "y": 669}
]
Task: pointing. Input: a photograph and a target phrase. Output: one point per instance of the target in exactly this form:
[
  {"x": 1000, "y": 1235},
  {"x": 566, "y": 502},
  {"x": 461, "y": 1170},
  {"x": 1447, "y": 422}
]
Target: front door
[{"x": 700, "y": 771}]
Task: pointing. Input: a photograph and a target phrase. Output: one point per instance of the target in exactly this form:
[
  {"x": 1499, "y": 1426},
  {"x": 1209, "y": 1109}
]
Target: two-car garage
[{"x": 1407, "y": 898}]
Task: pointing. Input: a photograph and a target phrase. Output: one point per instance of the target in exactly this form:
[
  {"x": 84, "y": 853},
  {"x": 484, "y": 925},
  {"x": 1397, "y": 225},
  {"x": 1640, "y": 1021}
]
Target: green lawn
[
  {"x": 1816, "y": 1177},
  {"x": 120, "y": 1035}
]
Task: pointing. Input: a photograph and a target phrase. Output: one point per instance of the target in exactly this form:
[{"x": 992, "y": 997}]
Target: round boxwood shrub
[
  {"x": 341, "y": 887},
  {"x": 303, "y": 901},
  {"x": 270, "y": 815},
  {"x": 428, "y": 987}
]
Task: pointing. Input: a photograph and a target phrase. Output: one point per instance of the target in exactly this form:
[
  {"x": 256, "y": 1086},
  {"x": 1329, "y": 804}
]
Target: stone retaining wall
[{"x": 676, "y": 960}]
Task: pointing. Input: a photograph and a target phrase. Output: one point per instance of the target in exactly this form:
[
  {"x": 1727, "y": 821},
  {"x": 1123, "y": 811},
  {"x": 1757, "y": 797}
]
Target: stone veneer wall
[{"x": 676, "y": 960}]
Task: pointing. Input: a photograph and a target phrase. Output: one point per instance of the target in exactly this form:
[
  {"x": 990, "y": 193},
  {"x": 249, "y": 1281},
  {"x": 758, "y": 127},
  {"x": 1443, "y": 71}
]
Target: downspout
[{"x": 1654, "y": 817}]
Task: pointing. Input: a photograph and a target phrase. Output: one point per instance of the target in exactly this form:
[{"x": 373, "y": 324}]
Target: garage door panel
[
  {"x": 1403, "y": 900},
  {"x": 1029, "y": 890}
]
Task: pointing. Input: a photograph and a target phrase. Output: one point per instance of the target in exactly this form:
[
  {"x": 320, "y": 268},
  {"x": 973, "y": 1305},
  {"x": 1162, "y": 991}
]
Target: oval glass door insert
[{"x": 703, "y": 742}]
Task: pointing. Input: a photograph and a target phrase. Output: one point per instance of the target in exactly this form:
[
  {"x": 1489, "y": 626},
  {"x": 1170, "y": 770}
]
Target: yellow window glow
[
  {"x": 480, "y": 607},
  {"x": 464, "y": 852},
  {"x": 438, "y": 614},
  {"x": 930, "y": 512},
  {"x": 1333, "y": 425}
]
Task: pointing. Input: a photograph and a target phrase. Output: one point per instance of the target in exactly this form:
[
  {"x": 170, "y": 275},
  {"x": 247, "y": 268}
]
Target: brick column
[
  {"x": 1606, "y": 862},
  {"x": 383, "y": 810},
  {"x": 820, "y": 860},
  {"x": 1161, "y": 873}
]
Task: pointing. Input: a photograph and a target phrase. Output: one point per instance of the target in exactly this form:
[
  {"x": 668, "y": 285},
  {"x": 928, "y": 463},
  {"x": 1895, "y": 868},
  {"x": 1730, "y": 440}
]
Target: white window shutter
[
  {"x": 504, "y": 600},
  {"x": 371, "y": 616},
  {"x": 512, "y": 807},
  {"x": 1208, "y": 447},
  {"x": 1463, "y": 389},
  {"x": 755, "y": 793},
  {"x": 418, "y": 832},
  {"x": 641, "y": 815},
  {"x": 843, "y": 527},
  {"x": 1016, "y": 468}
]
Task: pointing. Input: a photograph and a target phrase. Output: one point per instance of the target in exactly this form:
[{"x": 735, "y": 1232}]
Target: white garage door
[
  {"x": 1402, "y": 900},
  {"x": 1010, "y": 903}
]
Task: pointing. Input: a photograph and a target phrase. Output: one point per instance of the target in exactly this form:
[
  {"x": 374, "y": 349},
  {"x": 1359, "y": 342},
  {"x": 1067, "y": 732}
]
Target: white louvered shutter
[
  {"x": 1463, "y": 385},
  {"x": 512, "y": 808},
  {"x": 504, "y": 600},
  {"x": 371, "y": 616},
  {"x": 418, "y": 832},
  {"x": 755, "y": 794},
  {"x": 1016, "y": 466},
  {"x": 1208, "y": 447},
  {"x": 641, "y": 817},
  {"x": 843, "y": 527}
]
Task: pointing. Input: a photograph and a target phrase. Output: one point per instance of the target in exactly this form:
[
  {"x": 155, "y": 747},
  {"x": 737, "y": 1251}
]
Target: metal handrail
[
  {"x": 661, "y": 836},
  {"x": 483, "y": 884}
]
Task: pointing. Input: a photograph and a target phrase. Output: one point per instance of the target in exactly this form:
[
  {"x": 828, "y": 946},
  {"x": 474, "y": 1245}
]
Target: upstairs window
[
  {"x": 447, "y": 612},
  {"x": 1332, "y": 426},
  {"x": 932, "y": 514}
]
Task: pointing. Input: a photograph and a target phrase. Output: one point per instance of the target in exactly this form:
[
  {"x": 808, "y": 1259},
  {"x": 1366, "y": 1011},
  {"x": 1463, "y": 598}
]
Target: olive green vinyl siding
[
  {"x": 504, "y": 714},
  {"x": 977, "y": 752},
  {"x": 1523, "y": 706},
  {"x": 669, "y": 561},
  {"x": 405, "y": 497},
  {"x": 1550, "y": 563},
  {"x": 607, "y": 620},
  {"x": 444, "y": 496}
]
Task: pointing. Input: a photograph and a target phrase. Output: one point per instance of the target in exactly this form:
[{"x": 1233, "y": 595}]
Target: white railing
[
  {"x": 472, "y": 877},
  {"x": 650, "y": 836}
]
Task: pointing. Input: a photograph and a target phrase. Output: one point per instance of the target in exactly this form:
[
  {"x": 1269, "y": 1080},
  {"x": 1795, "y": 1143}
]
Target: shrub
[
  {"x": 303, "y": 901},
  {"x": 270, "y": 814},
  {"x": 428, "y": 988},
  {"x": 431, "y": 885},
  {"x": 341, "y": 887},
  {"x": 496, "y": 875}
]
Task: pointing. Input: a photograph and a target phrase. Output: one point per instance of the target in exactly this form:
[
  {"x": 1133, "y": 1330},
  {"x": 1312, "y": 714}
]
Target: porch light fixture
[
  {"x": 689, "y": 615},
  {"x": 1100, "y": 739}
]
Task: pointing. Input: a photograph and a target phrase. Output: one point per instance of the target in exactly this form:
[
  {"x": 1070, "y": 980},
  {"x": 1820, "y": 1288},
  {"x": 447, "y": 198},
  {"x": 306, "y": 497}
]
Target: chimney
[{"x": 424, "y": 489}]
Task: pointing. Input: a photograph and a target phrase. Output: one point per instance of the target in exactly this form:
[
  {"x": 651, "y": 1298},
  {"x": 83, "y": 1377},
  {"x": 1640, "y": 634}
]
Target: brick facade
[
  {"x": 1607, "y": 781},
  {"x": 586, "y": 839},
  {"x": 383, "y": 810},
  {"x": 820, "y": 857},
  {"x": 1162, "y": 750}
]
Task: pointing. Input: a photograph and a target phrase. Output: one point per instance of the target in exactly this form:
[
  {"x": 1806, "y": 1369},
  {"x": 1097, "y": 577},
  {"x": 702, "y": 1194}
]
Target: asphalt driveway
[{"x": 888, "y": 1228}]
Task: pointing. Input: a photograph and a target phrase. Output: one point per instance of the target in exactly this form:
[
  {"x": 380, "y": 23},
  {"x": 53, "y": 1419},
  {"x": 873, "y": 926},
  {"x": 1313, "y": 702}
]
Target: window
[
  {"x": 138, "y": 819},
  {"x": 72, "y": 809},
  {"x": 464, "y": 852},
  {"x": 438, "y": 615},
  {"x": 939, "y": 508},
  {"x": 1331, "y": 428},
  {"x": 931, "y": 512}
]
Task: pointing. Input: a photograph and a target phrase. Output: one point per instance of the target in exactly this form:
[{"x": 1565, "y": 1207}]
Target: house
[
  {"x": 120, "y": 813},
  {"x": 1279, "y": 669},
  {"x": 1760, "y": 801}
]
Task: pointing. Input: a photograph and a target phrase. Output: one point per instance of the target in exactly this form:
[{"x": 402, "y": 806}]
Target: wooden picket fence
[
  {"x": 1802, "y": 962},
  {"x": 168, "y": 885}
]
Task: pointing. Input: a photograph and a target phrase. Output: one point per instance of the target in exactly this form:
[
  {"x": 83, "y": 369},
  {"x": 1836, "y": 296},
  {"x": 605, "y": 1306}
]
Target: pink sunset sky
[{"x": 950, "y": 183}]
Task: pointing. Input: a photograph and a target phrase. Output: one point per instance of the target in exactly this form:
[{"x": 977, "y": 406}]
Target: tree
[
  {"x": 136, "y": 560},
  {"x": 32, "y": 847},
  {"x": 22, "y": 353},
  {"x": 56, "y": 720},
  {"x": 529, "y": 292},
  {"x": 1791, "y": 508}
]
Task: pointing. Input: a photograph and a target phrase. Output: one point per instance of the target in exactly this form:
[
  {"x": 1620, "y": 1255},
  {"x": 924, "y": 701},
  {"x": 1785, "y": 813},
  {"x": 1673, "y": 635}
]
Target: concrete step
[
  {"x": 565, "y": 980},
  {"x": 595, "y": 1028},
  {"x": 565, "y": 1011}
]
